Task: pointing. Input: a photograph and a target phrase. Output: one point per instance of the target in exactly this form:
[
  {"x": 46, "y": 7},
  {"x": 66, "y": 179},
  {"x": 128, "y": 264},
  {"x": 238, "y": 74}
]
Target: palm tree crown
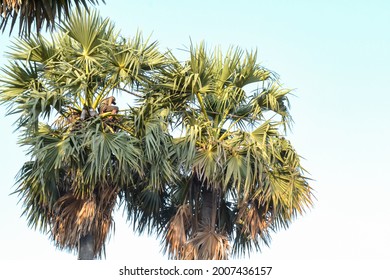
[
  {"x": 81, "y": 161},
  {"x": 240, "y": 178}
]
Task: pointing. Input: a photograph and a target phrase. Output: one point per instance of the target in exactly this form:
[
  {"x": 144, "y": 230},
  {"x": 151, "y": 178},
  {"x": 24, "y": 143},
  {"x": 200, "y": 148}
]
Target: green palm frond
[
  {"x": 38, "y": 199},
  {"x": 17, "y": 78},
  {"x": 34, "y": 48},
  {"x": 117, "y": 153},
  {"x": 88, "y": 31},
  {"x": 28, "y": 95},
  {"x": 272, "y": 99}
]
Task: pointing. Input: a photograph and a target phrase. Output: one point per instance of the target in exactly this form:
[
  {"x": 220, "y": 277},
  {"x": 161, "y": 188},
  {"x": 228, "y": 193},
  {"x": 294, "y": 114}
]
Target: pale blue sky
[{"x": 335, "y": 54}]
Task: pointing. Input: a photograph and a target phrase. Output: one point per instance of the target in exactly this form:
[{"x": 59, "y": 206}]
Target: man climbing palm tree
[{"x": 106, "y": 106}]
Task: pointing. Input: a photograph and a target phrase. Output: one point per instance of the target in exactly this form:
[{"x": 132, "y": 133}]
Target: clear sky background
[{"x": 335, "y": 54}]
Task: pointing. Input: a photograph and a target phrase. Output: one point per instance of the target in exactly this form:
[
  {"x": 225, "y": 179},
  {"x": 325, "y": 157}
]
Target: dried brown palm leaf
[
  {"x": 70, "y": 117},
  {"x": 75, "y": 217},
  {"x": 72, "y": 217},
  {"x": 103, "y": 221},
  {"x": 256, "y": 220},
  {"x": 107, "y": 197},
  {"x": 207, "y": 245},
  {"x": 177, "y": 232},
  {"x": 100, "y": 231},
  {"x": 86, "y": 214}
]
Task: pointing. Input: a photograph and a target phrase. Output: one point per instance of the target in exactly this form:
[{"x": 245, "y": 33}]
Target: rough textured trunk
[
  {"x": 208, "y": 213},
  {"x": 86, "y": 247}
]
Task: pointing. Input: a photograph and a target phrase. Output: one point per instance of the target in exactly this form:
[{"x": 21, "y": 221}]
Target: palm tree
[
  {"x": 202, "y": 158},
  {"x": 239, "y": 177},
  {"x": 82, "y": 162},
  {"x": 36, "y": 12}
]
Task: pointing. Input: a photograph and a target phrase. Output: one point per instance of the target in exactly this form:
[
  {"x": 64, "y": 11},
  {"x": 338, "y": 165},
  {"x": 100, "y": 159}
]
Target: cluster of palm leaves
[
  {"x": 27, "y": 13},
  {"x": 199, "y": 158}
]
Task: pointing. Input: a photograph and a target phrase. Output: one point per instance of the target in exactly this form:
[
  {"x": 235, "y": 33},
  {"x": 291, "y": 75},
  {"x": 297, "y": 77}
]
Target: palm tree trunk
[
  {"x": 86, "y": 247},
  {"x": 208, "y": 213}
]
